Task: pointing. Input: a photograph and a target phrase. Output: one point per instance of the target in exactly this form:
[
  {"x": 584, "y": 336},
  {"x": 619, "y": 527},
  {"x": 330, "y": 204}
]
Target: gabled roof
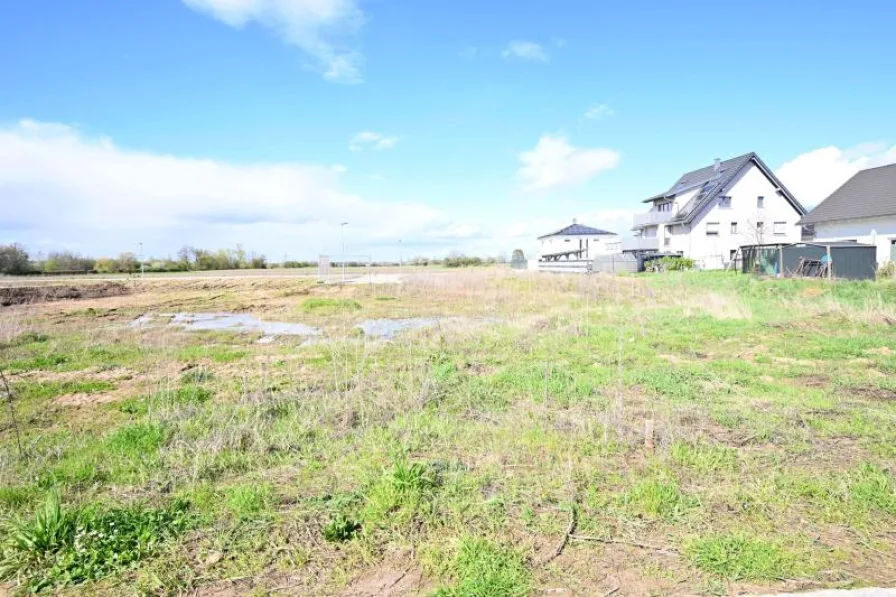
[
  {"x": 714, "y": 182},
  {"x": 578, "y": 229},
  {"x": 870, "y": 193}
]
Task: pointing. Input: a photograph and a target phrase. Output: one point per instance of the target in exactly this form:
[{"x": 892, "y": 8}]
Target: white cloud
[
  {"x": 88, "y": 194},
  {"x": 525, "y": 50},
  {"x": 319, "y": 28},
  {"x": 599, "y": 111},
  {"x": 813, "y": 176},
  {"x": 554, "y": 162},
  {"x": 372, "y": 140},
  {"x": 60, "y": 188},
  {"x": 377, "y": 177}
]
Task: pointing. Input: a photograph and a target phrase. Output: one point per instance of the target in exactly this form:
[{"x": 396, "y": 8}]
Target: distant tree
[
  {"x": 104, "y": 265},
  {"x": 518, "y": 255},
  {"x": 67, "y": 261},
  {"x": 128, "y": 263},
  {"x": 14, "y": 260}
]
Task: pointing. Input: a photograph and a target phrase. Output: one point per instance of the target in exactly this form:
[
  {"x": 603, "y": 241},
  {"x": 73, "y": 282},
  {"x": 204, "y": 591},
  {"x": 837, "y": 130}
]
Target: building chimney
[
  {"x": 718, "y": 165},
  {"x": 575, "y": 221}
]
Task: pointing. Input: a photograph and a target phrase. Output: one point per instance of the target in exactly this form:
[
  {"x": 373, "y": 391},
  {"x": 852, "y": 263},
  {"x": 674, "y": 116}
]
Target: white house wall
[
  {"x": 714, "y": 251},
  {"x": 873, "y": 231}
]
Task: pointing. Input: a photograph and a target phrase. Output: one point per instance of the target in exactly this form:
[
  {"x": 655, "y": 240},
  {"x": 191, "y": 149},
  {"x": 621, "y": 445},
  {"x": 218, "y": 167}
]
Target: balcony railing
[
  {"x": 653, "y": 217},
  {"x": 641, "y": 243}
]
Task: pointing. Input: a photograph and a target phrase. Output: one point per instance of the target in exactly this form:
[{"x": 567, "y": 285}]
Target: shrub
[
  {"x": 887, "y": 271},
  {"x": 671, "y": 264},
  {"x": 462, "y": 261}
]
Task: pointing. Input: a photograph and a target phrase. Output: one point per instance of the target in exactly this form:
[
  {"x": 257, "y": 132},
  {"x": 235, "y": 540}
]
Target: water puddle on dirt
[
  {"x": 229, "y": 322},
  {"x": 387, "y": 329}
]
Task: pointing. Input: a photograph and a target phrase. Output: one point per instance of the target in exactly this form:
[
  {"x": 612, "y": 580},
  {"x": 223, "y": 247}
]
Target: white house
[
  {"x": 862, "y": 210},
  {"x": 577, "y": 242},
  {"x": 711, "y": 212}
]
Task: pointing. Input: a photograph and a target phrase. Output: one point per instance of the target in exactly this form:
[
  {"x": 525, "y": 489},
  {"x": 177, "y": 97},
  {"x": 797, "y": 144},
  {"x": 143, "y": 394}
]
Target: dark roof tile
[
  {"x": 870, "y": 193},
  {"x": 714, "y": 182},
  {"x": 579, "y": 229}
]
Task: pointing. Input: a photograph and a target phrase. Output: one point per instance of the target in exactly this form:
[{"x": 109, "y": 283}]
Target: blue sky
[{"x": 460, "y": 125}]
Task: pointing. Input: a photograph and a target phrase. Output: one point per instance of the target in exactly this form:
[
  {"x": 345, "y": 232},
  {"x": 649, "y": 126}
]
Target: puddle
[
  {"x": 229, "y": 322},
  {"x": 387, "y": 329}
]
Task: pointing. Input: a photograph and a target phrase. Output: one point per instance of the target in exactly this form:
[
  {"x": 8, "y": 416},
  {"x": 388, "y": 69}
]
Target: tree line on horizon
[{"x": 15, "y": 260}]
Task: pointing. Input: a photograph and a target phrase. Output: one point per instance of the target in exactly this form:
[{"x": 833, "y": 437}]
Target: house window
[
  {"x": 733, "y": 254},
  {"x": 712, "y": 229},
  {"x": 725, "y": 201},
  {"x": 667, "y": 241},
  {"x": 780, "y": 228},
  {"x": 664, "y": 207},
  {"x": 733, "y": 227},
  {"x": 760, "y": 202}
]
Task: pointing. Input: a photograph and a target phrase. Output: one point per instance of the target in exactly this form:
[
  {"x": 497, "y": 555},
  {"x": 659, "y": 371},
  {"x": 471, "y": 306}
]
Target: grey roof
[
  {"x": 714, "y": 182},
  {"x": 579, "y": 229},
  {"x": 870, "y": 193}
]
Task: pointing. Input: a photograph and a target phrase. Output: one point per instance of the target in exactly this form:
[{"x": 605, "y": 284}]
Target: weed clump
[
  {"x": 67, "y": 546},
  {"x": 341, "y": 528},
  {"x": 400, "y": 494}
]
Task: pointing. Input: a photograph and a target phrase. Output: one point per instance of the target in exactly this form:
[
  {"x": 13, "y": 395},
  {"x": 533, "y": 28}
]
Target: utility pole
[
  {"x": 400, "y": 260},
  {"x": 141, "y": 260},
  {"x": 342, "y": 235}
]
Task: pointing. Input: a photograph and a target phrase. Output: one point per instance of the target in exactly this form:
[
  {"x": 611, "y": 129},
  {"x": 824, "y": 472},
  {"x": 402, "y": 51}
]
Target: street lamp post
[
  {"x": 342, "y": 235},
  {"x": 141, "y": 260}
]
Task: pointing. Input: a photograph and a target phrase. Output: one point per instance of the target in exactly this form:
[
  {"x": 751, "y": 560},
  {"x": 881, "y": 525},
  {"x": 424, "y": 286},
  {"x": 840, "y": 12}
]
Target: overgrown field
[{"x": 680, "y": 433}]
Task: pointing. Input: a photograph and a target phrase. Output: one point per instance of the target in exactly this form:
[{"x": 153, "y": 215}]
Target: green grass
[
  {"x": 483, "y": 569},
  {"x": 329, "y": 305},
  {"x": 216, "y": 353},
  {"x": 704, "y": 458},
  {"x": 249, "y": 499},
  {"x": 658, "y": 498},
  {"x": 459, "y": 453},
  {"x": 743, "y": 557},
  {"x": 46, "y": 390}
]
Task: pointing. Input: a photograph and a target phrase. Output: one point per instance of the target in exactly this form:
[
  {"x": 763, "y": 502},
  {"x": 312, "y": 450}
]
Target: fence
[{"x": 617, "y": 263}]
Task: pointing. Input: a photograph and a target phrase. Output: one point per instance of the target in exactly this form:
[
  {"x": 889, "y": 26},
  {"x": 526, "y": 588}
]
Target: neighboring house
[
  {"x": 862, "y": 210},
  {"x": 577, "y": 242},
  {"x": 711, "y": 212}
]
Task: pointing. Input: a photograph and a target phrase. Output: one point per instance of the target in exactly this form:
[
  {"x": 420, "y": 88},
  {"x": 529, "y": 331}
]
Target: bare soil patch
[
  {"x": 26, "y": 295},
  {"x": 873, "y": 393},
  {"x": 385, "y": 582}
]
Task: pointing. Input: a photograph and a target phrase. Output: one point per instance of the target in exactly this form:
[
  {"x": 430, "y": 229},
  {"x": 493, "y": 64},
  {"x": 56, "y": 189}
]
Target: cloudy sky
[{"x": 448, "y": 125}]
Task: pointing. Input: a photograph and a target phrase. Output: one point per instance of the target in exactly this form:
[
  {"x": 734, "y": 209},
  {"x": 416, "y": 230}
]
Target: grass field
[{"x": 693, "y": 433}]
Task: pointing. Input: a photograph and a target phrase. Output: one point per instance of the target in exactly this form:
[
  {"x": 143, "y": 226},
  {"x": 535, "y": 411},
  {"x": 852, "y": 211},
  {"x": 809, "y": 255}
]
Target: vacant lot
[{"x": 675, "y": 434}]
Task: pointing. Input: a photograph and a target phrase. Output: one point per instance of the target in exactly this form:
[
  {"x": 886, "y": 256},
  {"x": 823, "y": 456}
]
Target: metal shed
[{"x": 848, "y": 260}]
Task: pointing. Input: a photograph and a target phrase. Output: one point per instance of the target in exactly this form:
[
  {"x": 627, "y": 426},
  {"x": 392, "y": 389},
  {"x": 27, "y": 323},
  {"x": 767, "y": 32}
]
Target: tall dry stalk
[{"x": 12, "y": 413}]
